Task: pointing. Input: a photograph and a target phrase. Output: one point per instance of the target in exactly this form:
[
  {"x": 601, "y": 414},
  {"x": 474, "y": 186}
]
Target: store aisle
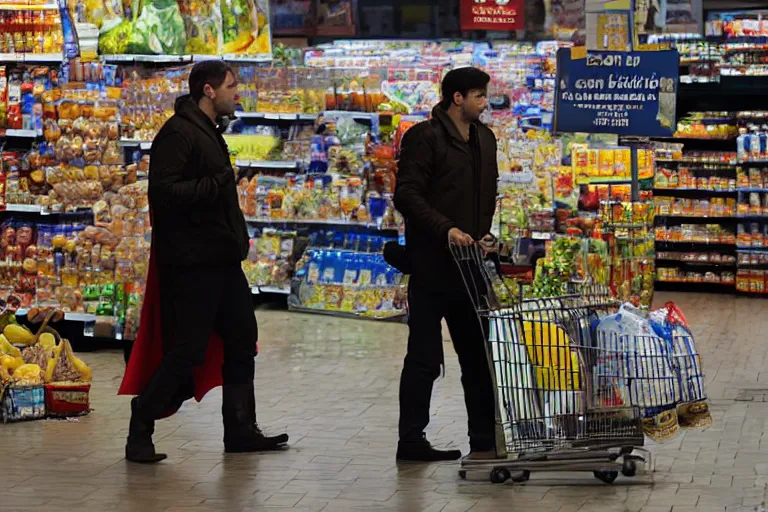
[{"x": 332, "y": 384}]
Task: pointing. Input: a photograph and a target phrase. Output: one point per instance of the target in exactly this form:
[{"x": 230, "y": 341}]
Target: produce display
[
  {"x": 39, "y": 373},
  {"x": 170, "y": 27}
]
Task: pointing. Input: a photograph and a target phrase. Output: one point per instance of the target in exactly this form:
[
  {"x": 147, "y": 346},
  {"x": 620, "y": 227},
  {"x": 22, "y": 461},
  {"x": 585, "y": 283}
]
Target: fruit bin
[
  {"x": 22, "y": 403},
  {"x": 66, "y": 399}
]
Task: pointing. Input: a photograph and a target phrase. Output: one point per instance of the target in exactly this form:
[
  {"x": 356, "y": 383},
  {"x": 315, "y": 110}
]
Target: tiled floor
[{"x": 332, "y": 384}]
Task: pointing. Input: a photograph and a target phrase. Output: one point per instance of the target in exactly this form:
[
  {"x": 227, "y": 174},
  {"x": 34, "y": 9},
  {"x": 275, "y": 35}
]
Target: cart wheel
[
  {"x": 629, "y": 468},
  {"x": 499, "y": 475},
  {"x": 606, "y": 476},
  {"x": 521, "y": 477},
  {"x": 463, "y": 474}
]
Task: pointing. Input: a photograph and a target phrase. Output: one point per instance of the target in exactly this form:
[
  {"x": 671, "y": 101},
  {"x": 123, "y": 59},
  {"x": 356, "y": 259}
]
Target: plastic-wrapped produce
[
  {"x": 245, "y": 27},
  {"x": 202, "y": 22}
]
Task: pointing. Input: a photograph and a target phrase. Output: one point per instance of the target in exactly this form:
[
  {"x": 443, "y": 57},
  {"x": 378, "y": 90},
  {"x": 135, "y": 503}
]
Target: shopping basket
[{"x": 558, "y": 390}]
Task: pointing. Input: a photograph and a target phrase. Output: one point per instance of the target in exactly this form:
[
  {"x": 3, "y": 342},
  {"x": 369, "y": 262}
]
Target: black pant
[
  {"x": 426, "y": 309},
  {"x": 195, "y": 302}
]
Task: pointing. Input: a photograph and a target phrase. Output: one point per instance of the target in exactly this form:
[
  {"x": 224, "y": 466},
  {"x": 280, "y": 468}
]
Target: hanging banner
[
  {"x": 624, "y": 93},
  {"x": 499, "y": 15}
]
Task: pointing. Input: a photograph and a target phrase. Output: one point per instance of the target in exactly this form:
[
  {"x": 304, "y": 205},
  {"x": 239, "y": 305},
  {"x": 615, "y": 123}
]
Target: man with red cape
[{"x": 198, "y": 329}]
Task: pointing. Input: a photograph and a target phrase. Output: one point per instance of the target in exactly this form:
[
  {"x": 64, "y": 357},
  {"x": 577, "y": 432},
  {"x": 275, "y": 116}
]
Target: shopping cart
[{"x": 560, "y": 391}]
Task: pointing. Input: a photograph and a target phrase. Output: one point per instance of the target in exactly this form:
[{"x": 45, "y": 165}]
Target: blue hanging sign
[{"x": 623, "y": 93}]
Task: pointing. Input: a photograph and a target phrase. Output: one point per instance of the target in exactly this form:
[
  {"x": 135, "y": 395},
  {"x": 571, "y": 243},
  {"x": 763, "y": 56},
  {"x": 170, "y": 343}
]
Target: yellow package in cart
[
  {"x": 606, "y": 161},
  {"x": 623, "y": 163}
]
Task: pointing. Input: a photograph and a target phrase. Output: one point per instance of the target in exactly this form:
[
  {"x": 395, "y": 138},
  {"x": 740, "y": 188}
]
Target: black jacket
[
  {"x": 196, "y": 217},
  {"x": 438, "y": 189}
]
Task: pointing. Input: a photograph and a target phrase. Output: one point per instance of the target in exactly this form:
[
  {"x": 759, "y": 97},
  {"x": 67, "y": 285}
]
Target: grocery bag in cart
[
  {"x": 670, "y": 323},
  {"x": 655, "y": 374}
]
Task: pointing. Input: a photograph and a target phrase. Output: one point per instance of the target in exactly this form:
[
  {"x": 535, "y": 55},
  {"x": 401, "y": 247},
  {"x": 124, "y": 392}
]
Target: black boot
[
  {"x": 162, "y": 392},
  {"x": 419, "y": 450},
  {"x": 241, "y": 433},
  {"x": 139, "y": 447}
]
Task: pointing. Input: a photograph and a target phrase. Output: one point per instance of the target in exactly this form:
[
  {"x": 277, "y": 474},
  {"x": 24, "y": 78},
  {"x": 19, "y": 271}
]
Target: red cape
[{"x": 147, "y": 350}]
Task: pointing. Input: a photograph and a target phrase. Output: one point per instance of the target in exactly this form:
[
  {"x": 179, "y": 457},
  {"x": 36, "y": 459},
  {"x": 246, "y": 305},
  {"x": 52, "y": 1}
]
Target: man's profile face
[
  {"x": 226, "y": 96},
  {"x": 474, "y": 104}
]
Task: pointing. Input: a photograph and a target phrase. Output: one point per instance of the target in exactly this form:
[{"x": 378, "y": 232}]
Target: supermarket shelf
[
  {"x": 746, "y": 293},
  {"x": 51, "y": 6},
  {"x": 22, "y": 134},
  {"x": 753, "y": 162},
  {"x": 43, "y": 57},
  {"x": 159, "y": 59},
  {"x": 357, "y": 116},
  {"x": 24, "y": 208},
  {"x": 712, "y": 283},
  {"x": 747, "y": 189},
  {"x": 606, "y": 181},
  {"x": 690, "y": 191},
  {"x": 40, "y": 210},
  {"x": 692, "y": 161},
  {"x": 72, "y": 317},
  {"x": 269, "y": 164},
  {"x": 752, "y": 217},
  {"x": 745, "y": 248},
  {"x": 275, "y": 116},
  {"x": 316, "y": 222},
  {"x": 665, "y": 262},
  {"x": 275, "y": 290},
  {"x": 31, "y": 57},
  {"x": 142, "y": 144},
  {"x": 256, "y": 59},
  {"x": 711, "y": 246},
  {"x": 698, "y": 219},
  {"x": 753, "y": 266}
]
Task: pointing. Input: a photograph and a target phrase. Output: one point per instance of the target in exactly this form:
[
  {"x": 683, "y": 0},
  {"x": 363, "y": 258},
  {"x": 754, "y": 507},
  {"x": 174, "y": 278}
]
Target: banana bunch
[
  {"x": 19, "y": 335},
  {"x": 7, "y": 349},
  {"x": 64, "y": 366}
]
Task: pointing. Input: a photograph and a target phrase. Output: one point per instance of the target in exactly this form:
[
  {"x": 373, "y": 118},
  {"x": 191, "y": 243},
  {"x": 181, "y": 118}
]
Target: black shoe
[
  {"x": 139, "y": 447},
  {"x": 253, "y": 440},
  {"x": 241, "y": 433},
  {"x": 421, "y": 451}
]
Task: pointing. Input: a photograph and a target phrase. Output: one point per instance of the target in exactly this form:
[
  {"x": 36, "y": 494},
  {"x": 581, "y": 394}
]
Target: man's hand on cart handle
[{"x": 460, "y": 238}]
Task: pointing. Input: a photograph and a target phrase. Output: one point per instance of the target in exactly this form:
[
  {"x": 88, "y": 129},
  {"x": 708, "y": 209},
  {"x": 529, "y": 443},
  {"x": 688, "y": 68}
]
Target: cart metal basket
[{"x": 562, "y": 393}]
